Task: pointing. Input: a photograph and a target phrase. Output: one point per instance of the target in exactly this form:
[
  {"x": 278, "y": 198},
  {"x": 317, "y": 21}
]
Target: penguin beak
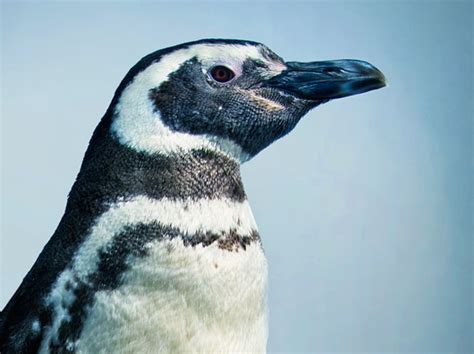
[{"x": 325, "y": 80}]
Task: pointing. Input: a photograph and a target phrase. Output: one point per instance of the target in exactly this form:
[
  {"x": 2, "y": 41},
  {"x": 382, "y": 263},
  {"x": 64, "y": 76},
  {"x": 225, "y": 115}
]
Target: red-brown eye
[{"x": 222, "y": 74}]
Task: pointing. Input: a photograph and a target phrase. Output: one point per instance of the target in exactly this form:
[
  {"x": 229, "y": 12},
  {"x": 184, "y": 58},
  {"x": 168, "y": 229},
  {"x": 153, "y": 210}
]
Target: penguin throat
[{"x": 112, "y": 171}]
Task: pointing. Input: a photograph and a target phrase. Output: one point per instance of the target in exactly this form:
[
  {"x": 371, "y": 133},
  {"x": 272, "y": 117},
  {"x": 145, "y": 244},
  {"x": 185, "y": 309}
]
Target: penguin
[{"x": 158, "y": 250}]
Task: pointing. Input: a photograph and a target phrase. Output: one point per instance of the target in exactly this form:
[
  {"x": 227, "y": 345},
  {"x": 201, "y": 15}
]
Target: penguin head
[{"x": 231, "y": 95}]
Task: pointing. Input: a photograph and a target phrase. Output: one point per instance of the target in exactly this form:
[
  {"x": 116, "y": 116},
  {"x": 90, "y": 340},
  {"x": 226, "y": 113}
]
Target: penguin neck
[{"x": 112, "y": 171}]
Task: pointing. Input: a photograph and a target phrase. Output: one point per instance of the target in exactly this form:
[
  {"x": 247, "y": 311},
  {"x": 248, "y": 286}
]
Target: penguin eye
[{"x": 222, "y": 74}]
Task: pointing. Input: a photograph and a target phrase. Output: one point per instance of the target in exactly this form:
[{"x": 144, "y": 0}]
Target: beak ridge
[{"x": 325, "y": 80}]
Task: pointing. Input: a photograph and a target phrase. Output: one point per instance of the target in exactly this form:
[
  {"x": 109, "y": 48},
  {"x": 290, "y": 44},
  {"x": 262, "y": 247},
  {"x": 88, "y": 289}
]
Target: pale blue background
[{"x": 365, "y": 209}]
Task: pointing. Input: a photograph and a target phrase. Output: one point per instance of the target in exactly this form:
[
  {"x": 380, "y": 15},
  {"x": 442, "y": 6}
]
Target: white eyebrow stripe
[{"x": 207, "y": 54}]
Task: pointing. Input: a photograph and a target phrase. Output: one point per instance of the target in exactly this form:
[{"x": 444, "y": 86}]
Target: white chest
[
  {"x": 183, "y": 299},
  {"x": 176, "y": 298}
]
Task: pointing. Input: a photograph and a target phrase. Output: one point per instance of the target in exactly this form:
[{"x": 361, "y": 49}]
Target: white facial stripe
[
  {"x": 139, "y": 126},
  {"x": 233, "y": 56}
]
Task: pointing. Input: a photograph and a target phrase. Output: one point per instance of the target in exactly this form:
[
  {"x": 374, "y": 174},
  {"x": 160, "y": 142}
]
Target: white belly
[{"x": 183, "y": 299}]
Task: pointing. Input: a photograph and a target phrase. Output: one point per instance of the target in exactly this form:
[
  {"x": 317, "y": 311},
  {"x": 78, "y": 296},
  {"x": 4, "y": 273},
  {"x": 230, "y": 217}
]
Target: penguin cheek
[{"x": 259, "y": 126}]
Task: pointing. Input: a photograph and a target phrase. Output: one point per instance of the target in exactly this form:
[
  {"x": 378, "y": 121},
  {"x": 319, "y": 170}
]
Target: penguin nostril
[{"x": 222, "y": 74}]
